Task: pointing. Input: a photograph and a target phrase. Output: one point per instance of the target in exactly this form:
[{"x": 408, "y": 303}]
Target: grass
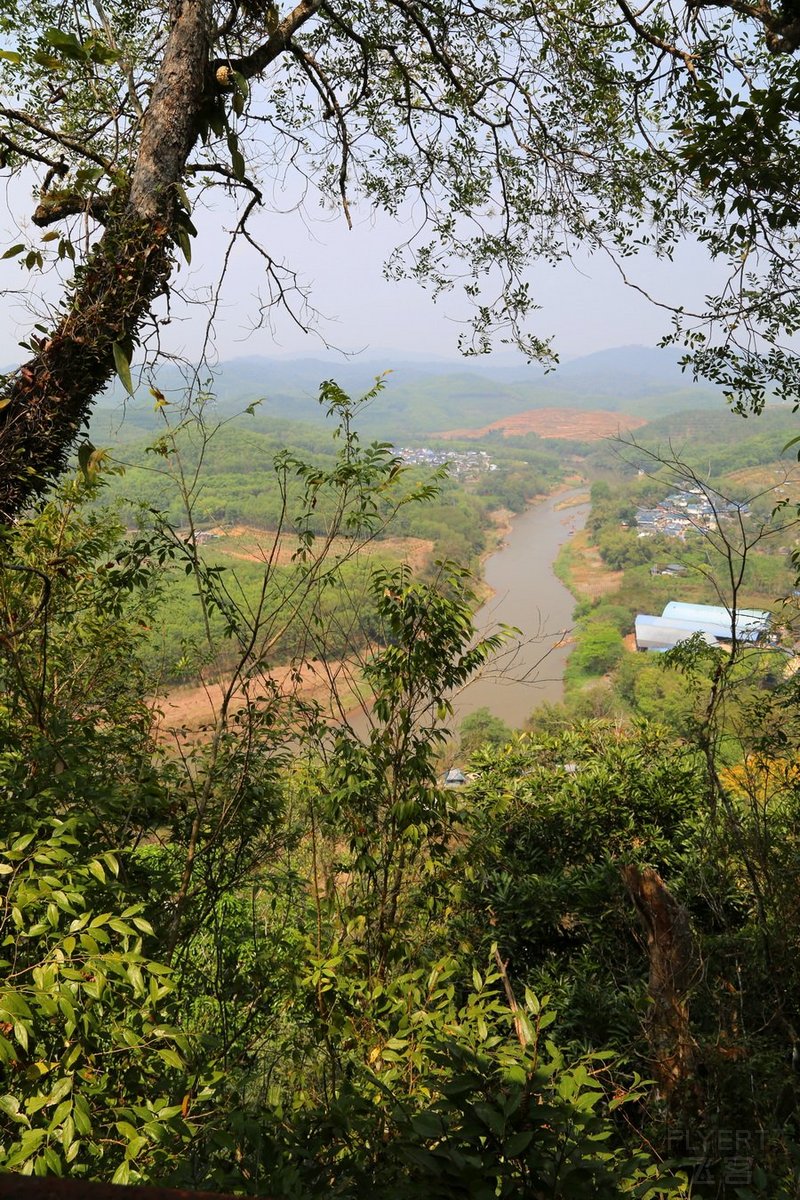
[{"x": 581, "y": 569}]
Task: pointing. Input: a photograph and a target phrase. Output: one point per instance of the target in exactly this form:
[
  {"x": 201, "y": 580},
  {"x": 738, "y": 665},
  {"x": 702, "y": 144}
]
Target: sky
[{"x": 584, "y": 304}]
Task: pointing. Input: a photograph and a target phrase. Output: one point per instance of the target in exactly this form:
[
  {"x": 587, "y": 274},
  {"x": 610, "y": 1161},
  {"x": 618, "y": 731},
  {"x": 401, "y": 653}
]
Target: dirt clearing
[
  {"x": 571, "y": 423},
  {"x": 584, "y": 571},
  {"x": 193, "y": 708},
  {"x": 248, "y": 544}
]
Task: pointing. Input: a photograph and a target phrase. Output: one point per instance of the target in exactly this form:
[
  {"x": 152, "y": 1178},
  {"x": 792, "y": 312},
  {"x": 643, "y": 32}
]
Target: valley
[{"x": 247, "y": 515}]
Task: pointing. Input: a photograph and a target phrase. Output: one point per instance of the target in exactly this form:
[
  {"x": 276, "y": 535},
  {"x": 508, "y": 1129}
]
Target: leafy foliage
[
  {"x": 99, "y": 1081},
  {"x": 281, "y": 958}
]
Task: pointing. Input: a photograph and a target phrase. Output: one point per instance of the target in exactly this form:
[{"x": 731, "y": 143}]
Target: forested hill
[
  {"x": 713, "y": 442},
  {"x": 423, "y": 397}
]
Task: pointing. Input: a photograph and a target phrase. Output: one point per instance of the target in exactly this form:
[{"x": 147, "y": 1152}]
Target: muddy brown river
[{"x": 528, "y": 595}]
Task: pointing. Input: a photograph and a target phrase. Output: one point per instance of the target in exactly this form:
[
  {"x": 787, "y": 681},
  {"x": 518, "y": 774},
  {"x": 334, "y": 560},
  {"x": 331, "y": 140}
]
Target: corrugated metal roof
[
  {"x": 658, "y": 633},
  {"x": 750, "y": 622}
]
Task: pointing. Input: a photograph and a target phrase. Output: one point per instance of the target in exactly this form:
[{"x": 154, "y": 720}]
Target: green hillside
[{"x": 422, "y": 398}]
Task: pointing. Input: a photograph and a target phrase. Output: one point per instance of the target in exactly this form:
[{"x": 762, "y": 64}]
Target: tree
[
  {"x": 600, "y": 648},
  {"x": 482, "y": 728},
  {"x": 519, "y": 133}
]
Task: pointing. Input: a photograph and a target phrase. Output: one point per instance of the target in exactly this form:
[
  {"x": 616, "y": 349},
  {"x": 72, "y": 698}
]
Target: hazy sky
[{"x": 584, "y": 304}]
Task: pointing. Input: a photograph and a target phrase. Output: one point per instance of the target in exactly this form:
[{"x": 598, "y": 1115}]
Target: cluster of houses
[
  {"x": 715, "y": 624},
  {"x": 201, "y": 537},
  {"x": 687, "y": 510},
  {"x": 461, "y": 462}
]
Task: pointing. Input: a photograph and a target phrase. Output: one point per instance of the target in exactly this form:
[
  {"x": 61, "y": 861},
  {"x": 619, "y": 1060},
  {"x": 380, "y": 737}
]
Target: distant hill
[
  {"x": 421, "y": 397},
  {"x": 563, "y": 423},
  {"x": 627, "y": 370}
]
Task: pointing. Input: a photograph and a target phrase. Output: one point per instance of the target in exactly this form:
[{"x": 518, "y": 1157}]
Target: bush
[
  {"x": 599, "y": 649},
  {"x": 483, "y": 728}
]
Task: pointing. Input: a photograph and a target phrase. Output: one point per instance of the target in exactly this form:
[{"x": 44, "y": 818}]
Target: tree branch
[
  {"x": 56, "y": 206},
  {"x": 76, "y": 145},
  {"x": 653, "y": 39},
  {"x": 278, "y": 41}
]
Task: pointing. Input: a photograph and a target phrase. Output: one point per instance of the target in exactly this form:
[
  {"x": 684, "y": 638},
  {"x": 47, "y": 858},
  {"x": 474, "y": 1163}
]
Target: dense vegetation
[{"x": 282, "y": 959}]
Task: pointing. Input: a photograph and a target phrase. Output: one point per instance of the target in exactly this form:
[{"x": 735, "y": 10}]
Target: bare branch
[
  {"x": 76, "y": 145},
  {"x": 653, "y": 40}
]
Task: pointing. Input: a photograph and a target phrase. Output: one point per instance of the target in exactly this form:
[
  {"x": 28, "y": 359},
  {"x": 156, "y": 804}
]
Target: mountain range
[{"x": 421, "y": 397}]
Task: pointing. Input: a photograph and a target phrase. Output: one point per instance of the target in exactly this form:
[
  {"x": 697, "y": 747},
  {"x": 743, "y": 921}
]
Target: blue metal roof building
[
  {"x": 751, "y": 623},
  {"x": 661, "y": 633}
]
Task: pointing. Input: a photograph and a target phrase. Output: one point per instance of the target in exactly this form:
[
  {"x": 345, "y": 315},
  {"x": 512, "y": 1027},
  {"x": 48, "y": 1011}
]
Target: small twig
[{"x": 519, "y": 1024}]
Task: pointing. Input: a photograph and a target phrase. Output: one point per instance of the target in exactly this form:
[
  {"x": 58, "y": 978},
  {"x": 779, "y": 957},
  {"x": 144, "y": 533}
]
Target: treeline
[
  {"x": 241, "y": 483},
  {"x": 712, "y": 443}
]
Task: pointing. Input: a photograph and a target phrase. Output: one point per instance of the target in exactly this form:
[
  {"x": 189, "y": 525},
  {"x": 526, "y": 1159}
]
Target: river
[{"x": 528, "y": 595}]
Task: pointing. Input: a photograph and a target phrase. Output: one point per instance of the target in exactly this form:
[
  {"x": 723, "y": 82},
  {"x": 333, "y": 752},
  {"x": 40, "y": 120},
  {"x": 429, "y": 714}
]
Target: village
[
  {"x": 461, "y": 463},
  {"x": 688, "y": 510}
]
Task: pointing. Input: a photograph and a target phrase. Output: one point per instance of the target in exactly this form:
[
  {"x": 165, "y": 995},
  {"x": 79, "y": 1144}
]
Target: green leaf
[
  {"x": 10, "y": 1106},
  {"x": 48, "y": 60},
  {"x": 240, "y": 84},
  {"x": 81, "y": 1115},
  {"x": 518, "y": 1142},
  {"x": 61, "y": 1113},
  {"x": 237, "y": 161},
  {"x": 427, "y": 1125},
  {"x": 13, "y": 251},
  {"x": 62, "y": 1088},
  {"x": 216, "y": 118},
  {"x": 30, "y": 1142},
  {"x": 52, "y": 1159},
  {"x": 13, "y": 1005},
  {"x": 68, "y": 1135},
  {"x": 66, "y": 43},
  {"x": 122, "y": 1174},
  {"x": 135, "y": 1147},
  {"x": 85, "y": 453},
  {"x": 182, "y": 238},
  {"x": 172, "y": 1059},
  {"x": 123, "y": 367},
  {"x": 96, "y": 868},
  {"x": 490, "y": 1116}
]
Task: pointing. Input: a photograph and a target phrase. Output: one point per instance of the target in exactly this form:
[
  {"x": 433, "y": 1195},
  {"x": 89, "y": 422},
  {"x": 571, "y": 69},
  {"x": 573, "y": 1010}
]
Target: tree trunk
[
  {"x": 44, "y": 404},
  {"x": 673, "y": 967}
]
